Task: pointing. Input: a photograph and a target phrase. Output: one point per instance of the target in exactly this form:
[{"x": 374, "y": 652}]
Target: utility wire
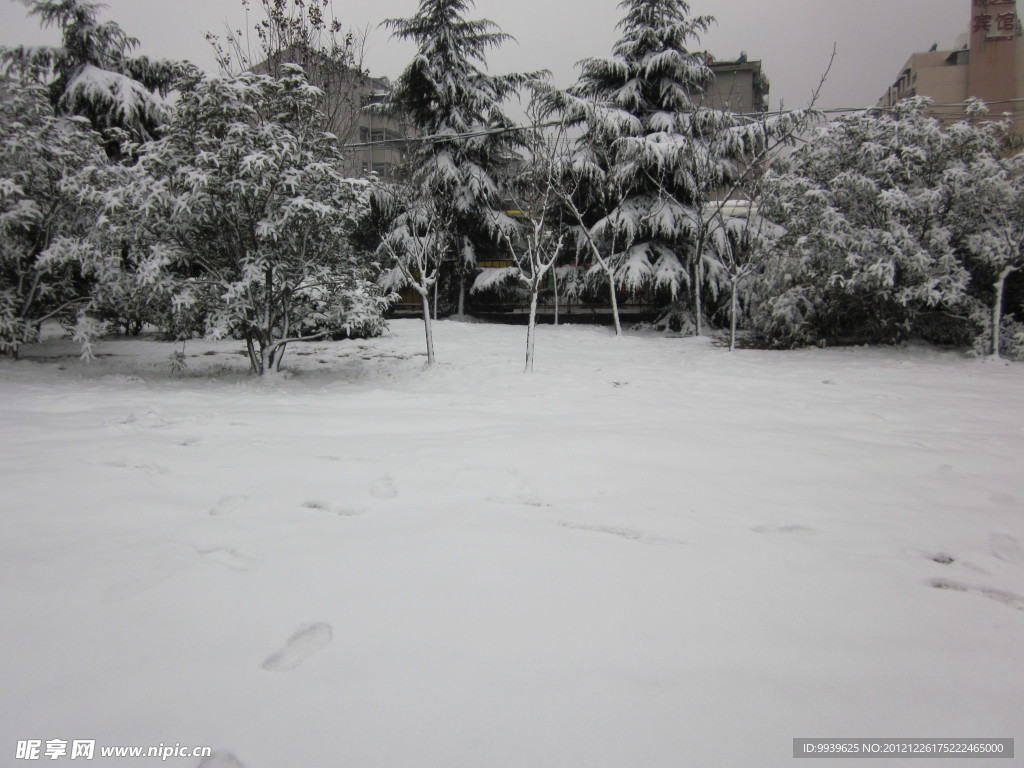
[{"x": 442, "y": 137}]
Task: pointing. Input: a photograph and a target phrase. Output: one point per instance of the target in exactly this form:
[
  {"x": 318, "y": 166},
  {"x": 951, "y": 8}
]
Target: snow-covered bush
[
  {"x": 987, "y": 197},
  {"x": 39, "y": 215},
  {"x": 867, "y": 246},
  {"x": 240, "y": 206}
]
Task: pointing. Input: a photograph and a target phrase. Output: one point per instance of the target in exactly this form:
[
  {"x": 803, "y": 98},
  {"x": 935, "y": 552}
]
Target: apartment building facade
[
  {"x": 739, "y": 86},
  {"x": 986, "y": 63}
]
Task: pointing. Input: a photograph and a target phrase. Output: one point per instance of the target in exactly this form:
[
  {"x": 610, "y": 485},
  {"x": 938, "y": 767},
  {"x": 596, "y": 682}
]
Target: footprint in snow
[
  {"x": 629, "y": 534},
  {"x": 1000, "y": 596},
  {"x": 383, "y": 488},
  {"x": 300, "y": 645},
  {"x": 227, "y": 504},
  {"x": 152, "y": 468},
  {"x": 523, "y": 499},
  {"x": 1007, "y": 548},
  {"x": 623, "y": 533},
  {"x": 231, "y": 558},
  {"x": 783, "y": 529},
  {"x": 221, "y": 760},
  {"x": 323, "y": 506},
  {"x": 943, "y": 557}
]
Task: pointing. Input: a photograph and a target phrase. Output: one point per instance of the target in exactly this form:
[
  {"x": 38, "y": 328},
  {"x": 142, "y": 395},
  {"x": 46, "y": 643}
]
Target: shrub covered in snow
[
  {"x": 39, "y": 218},
  {"x": 240, "y": 207},
  {"x": 888, "y": 221}
]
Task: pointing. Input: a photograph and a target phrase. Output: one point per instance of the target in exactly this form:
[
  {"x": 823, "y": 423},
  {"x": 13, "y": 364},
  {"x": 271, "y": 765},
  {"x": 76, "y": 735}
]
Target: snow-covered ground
[{"x": 652, "y": 553}]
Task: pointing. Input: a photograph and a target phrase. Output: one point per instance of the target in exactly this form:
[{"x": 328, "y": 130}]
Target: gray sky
[{"x": 793, "y": 38}]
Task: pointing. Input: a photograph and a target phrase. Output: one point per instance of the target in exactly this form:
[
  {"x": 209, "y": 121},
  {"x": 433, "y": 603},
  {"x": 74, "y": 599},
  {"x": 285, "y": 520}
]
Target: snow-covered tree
[
  {"x": 582, "y": 191},
  {"x": 867, "y": 249},
  {"x": 39, "y": 153},
  {"x": 92, "y": 73},
  {"x": 454, "y": 107},
  {"x": 736, "y": 232},
  {"x": 532, "y": 234},
  {"x": 411, "y": 244},
  {"x": 988, "y": 195},
  {"x": 242, "y": 205},
  {"x": 656, "y": 154},
  {"x": 303, "y": 32}
]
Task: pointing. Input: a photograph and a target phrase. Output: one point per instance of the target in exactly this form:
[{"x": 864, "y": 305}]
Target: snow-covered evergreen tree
[
  {"x": 868, "y": 248},
  {"x": 39, "y": 153},
  {"x": 242, "y": 207},
  {"x": 92, "y": 73},
  {"x": 454, "y": 107},
  {"x": 655, "y": 156}
]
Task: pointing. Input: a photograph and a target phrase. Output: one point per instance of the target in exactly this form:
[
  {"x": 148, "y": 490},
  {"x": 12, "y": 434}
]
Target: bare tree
[
  {"x": 412, "y": 245},
  {"x": 303, "y": 32},
  {"x": 533, "y": 235}
]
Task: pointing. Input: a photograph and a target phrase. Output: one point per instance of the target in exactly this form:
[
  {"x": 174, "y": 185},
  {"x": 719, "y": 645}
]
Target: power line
[{"x": 442, "y": 137}]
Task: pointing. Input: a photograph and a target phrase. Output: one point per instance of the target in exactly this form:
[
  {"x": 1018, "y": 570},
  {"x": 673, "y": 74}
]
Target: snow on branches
[
  {"x": 244, "y": 206},
  {"x": 874, "y": 246},
  {"x": 446, "y": 91},
  {"x": 656, "y": 156},
  {"x": 39, "y": 218},
  {"x": 91, "y": 74}
]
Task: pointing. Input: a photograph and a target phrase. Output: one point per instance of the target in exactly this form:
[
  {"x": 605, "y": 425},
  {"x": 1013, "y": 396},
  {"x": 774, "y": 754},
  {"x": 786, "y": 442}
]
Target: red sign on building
[{"x": 997, "y": 19}]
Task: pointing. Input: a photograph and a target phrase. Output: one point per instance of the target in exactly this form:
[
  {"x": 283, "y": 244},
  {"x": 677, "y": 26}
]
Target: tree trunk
[
  {"x": 615, "y": 302},
  {"x": 278, "y": 354},
  {"x": 997, "y": 308},
  {"x": 437, "y": 285},
  {"x": 278, "y": 357},
  {"x": 698, "y": 310},
  {"x": 462, "y": 288},
  {"x": 554, "y": 281},
  {"x": 428, "y": 328},
  {"x": 531, "y": 329},
  {"x": 732, "y": 318},
  {"x": 255, "y": 362}
]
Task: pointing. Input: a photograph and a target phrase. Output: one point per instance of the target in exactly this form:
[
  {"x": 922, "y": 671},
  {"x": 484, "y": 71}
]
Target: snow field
[{"x": 649, "y": 553}]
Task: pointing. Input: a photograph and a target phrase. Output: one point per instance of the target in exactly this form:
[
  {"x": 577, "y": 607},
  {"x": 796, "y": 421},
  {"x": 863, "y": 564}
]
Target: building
[
  {"x": 739, "y": 86},
  {"x": 378, "y": 138},
  {"x": 987, "y": 63},
  {"x": 372, "y": 141}
]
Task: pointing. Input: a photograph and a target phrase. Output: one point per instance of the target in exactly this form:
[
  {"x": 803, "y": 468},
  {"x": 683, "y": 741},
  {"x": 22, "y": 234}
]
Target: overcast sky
[{"x": 793, "y": 38}]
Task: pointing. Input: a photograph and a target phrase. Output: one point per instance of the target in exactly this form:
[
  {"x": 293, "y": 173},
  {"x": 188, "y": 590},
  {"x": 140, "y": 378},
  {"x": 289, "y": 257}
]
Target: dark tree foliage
[{"x": 92, "y": 74}]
